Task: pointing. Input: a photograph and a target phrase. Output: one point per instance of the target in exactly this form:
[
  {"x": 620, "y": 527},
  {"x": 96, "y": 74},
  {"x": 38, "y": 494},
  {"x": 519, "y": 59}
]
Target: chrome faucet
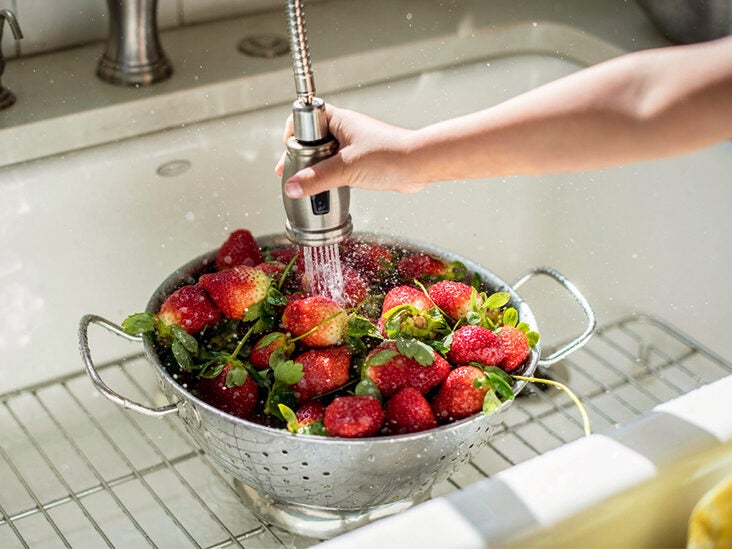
[
  {"x": 133, "y": 56},
  {"x": 6, "y": 97}
]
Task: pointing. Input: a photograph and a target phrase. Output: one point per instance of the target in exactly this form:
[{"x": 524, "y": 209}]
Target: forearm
[{"x": 636, "y": 107}]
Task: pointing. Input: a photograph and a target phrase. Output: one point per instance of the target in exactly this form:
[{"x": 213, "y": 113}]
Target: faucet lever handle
[
  {"x": 9, "y": 16},
  {"x": 6, "y": 97}
]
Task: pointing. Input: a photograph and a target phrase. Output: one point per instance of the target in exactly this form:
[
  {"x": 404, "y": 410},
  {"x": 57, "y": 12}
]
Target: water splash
[{"x": 323, "y": 274}]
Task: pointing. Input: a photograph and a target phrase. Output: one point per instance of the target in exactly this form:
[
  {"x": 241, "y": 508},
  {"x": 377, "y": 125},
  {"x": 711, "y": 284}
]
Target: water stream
[{"x": 323, "y": 274}]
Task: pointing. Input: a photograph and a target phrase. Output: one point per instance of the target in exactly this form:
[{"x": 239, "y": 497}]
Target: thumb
[{"x": 325, "y": 175}]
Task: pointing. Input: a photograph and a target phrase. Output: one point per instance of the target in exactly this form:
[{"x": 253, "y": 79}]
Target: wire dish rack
[{"x": 77, "y": 471}]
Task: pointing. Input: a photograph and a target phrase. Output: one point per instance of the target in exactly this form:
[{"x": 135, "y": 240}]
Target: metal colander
[{"x": 321, "y": 486}]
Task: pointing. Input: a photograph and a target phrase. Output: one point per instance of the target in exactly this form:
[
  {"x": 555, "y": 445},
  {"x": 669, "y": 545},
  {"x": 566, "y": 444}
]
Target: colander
[{"x": 318, "y": 486}]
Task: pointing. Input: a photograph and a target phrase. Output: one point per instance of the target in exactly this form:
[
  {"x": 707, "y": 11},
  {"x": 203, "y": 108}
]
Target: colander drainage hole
[
  {"x": 266, "y": 469},
  {"x": 326, "y": 473},
  {"x": 306, "y": 478},
  {"x": 304, "y": 463},
  {"x": 285, "y": 468},
  {"x": 265, "y": 454},
  {"x": 284, "y": 452}
]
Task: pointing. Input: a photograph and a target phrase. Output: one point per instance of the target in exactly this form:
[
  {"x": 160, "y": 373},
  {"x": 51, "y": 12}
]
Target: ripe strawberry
[
  {"x": 408, "y": 412},
  {"x": 475, "y": 344},
  {"x": 454, "y": 298},
  {"x": 274, "y": 269},
  {"x": 285, "y": 254},
  {"x": 238, "y": 401},
  {"x": 458, "y": 397},
  {"x": 323, "y": 371},
  {"x": 354, "y": 416},
  {"x": 239, "y": 249},
  {"x": 406, "y": 295},
  {"x": 190, "y": 308},
  {"x": 372, "y": 260},
  {"x": 236, "y": 290},
  {"x": 304, "y": 315},
  {"x": 423, "y": 267},
  {"x": 268, "y": 344},
  {"x": 310, "y": 412},
  {"x": 354, "y": 287},
  {"x": 515, "y": 345},
  {"x": 400, "y": 371}
]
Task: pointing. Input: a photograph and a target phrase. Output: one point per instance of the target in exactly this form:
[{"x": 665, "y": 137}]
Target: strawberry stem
[
  {"x": 313, "y": 329},
  {"x": 287, "y": 270},
  {"x": 241, "y": 343},
  {"x": 562, "y": 387}
]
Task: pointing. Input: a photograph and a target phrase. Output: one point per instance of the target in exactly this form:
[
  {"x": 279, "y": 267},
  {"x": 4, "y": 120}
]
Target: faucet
[
  {"x": 133, "y": 56},
  {"x": 6, "y": 97},
  {"x": 323, "y": 219}
]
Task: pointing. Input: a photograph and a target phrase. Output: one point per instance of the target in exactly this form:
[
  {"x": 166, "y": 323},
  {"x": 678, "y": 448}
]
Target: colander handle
[
  {"x": 91, "y": 369},
  {"x": 578, "y": 342}
]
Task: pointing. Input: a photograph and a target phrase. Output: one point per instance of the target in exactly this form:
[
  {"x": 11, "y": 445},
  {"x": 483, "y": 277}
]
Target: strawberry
[
  {"x": 392, "y": 371},
  {"x": 405, "y": 312},
  {"x": 310, "y": 412},
  {"x": 267, "y": 345},
  {"x": 224, "y": 394},
  {"x": 454, "y": 298},
  {"x": 190, "y": 308},
  {"x": 312, "y": 314},
  {"x": 372, "y": 260},
  {"x": 428, "y": 268},
  {"x": 323, "y": 371},
  {"x": 355, "y": 287},
  {"x": 274, "y": 269},
  {"x": 458, "y": 397},
  {"x": 239, "y": 249},
  {"x": 475, "y": 344},
  {"x": 515, "y": 345},
  {"x": 284, "y": 254},
  {"x": 354, "y": 416},
  {"x": 237, "y": 290},
  {"x": 406, "y": 295},
  {"x": 408, "y": 412}
]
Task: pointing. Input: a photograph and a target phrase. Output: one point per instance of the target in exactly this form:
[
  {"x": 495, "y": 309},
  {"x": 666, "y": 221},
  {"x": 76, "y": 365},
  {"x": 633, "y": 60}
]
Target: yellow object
[{"x": 710, "y": 524}]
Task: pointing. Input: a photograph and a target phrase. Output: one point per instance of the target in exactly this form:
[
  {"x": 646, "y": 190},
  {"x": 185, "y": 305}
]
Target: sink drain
[{"x": 264, "y": 45}]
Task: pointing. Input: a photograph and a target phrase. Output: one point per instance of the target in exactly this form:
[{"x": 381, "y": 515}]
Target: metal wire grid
[{"x": 77, "y": 471}]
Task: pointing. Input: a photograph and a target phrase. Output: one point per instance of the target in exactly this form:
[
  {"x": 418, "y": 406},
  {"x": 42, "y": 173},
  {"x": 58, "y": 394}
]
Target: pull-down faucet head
[{"x": 321, "y": 219}]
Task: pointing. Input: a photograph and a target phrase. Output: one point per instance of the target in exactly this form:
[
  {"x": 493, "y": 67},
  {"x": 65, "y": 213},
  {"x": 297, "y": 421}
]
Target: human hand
[{"x": 371, "y": 155}]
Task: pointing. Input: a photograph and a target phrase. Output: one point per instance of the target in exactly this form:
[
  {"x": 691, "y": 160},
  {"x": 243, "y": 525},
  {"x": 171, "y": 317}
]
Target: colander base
[{"x": 319, "y": 522}]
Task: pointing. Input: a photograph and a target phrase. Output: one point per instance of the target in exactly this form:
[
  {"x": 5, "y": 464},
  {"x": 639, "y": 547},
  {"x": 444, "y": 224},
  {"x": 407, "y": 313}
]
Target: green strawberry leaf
[
  {"x": 293, "y": 425},
  {"x": 366, "y": 387},
  {"x": 476, "y": 282},
  {"x": 212, "y": 373},
  {"x": 474, "y": 318},
  {"x": 510, "y": 317},
  {"x": 358, "y": 331},
  {"x": 498, "y": 300},
  {"x": 267, "y": 340},
  {"x": 236, "y": 376},
  {"x": 500, "y": 385},
  {"x": 522, "y": 326},
  {"x": 253, "y": 313},
  {"x": 140, "y": 323},
  {"x": 288, "y": 372},
  {"x": 533, "y": 337},
  {"x": 381, "y": 357},
  {"x": 416, "y": 350},
  {"x": 315, "y": 428},
  {"x": 491, "y": 402},
  {"x": 186, "y": 339},
  {"x": 280, "y": 394},
  {"x": 182, "y": 356}
]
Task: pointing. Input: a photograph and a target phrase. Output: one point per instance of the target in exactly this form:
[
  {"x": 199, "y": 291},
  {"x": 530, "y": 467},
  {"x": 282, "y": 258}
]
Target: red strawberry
[
  {"x": 400, "y": 371},
  {"x": 454, "y": 298},
  {"x": 236, "y": 290},
  {"x": 423, "y": 267},
  {"x": 268, "y": 344},
  {"x": 354, "y": 287},
  {"x": 458, "y": 397},
  {"x": 238, "y": 401},
  {"x": 406, "y": 295},
  {"x": 354, "y": 416},
  {"x": 285, "y": 254},
  {"x": 190, "y": 308},
  {"x": 372, "y": 260},
  {"x": 323, "y": 371},
  {"x": 310, "y": 412},
  {"x": 516, "y": 346},
  {"x": 274, "y": 269},
  {"x": 475, "y": 344},
  {"x": 239, "y": 249},
  {"x": 301, "y": 316},
  {"x": 408, "y": 412}
]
